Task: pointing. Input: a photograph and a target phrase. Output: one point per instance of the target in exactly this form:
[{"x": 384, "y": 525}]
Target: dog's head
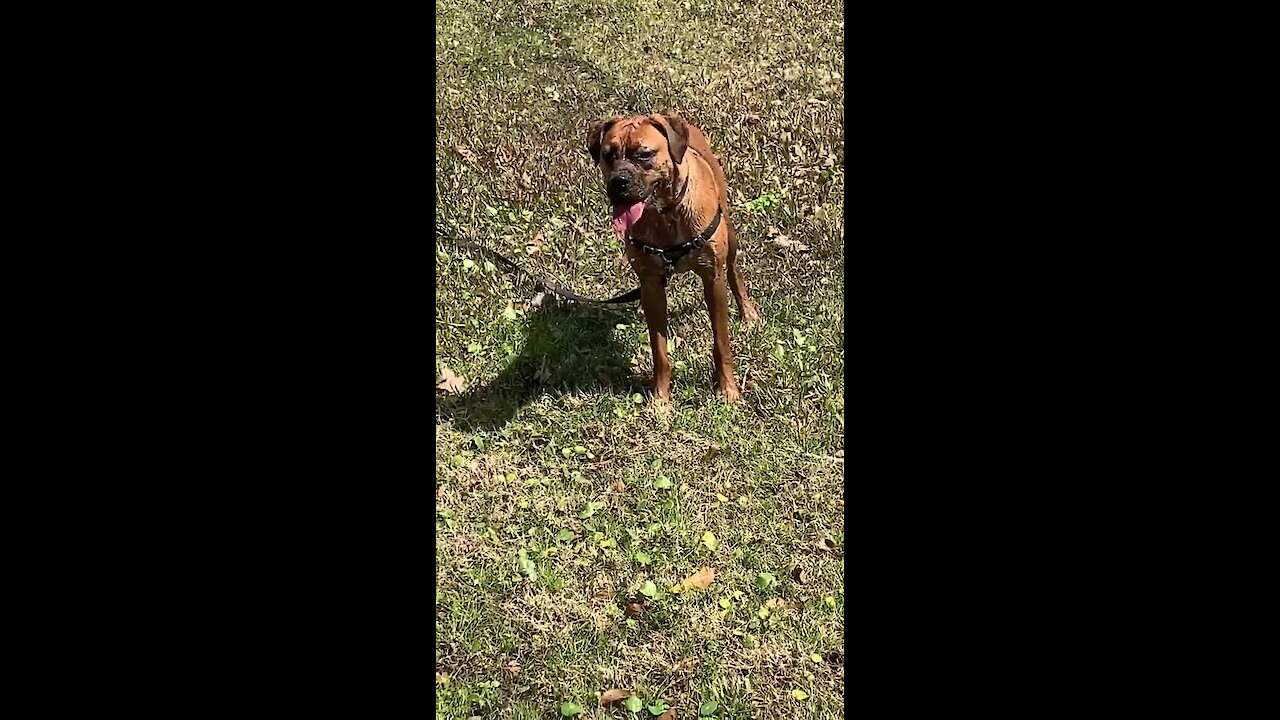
[{"x": 637, "y": 157}]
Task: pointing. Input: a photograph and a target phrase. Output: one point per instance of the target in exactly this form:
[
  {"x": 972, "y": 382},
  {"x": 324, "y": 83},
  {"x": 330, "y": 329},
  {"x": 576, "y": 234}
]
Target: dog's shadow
[{"x": 567, "y": 347}]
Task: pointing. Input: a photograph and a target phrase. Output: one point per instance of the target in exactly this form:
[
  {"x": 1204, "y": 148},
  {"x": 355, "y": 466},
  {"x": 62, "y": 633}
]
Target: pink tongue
[{"x": 625, "y": 217}]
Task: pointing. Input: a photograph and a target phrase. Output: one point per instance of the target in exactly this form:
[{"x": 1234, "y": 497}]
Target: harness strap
[{"x": 671, "y": 254}]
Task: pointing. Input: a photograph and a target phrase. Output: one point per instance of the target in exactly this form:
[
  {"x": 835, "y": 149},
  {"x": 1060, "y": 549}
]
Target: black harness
[{"x": 671, "y": 254}]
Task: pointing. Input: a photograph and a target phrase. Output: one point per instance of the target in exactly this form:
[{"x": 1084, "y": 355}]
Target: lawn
[{"x": 567, "y": 506}]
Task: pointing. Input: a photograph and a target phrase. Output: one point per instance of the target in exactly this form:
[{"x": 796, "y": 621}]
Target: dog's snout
[{"x": 619, "y": 187}]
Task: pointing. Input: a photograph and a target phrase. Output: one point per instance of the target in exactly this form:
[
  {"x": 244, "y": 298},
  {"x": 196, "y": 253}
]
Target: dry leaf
[
  {"x": 787, "y": 243},
  {"x": 826, "y": 545},
  {"x": 697, "y": 581},
  {"x": 442, "y": 678},
  {"x": 466, "y": 153},
  {"x": 798, "y": 574},
  {"x": 535, "y": 245},
  {"x": 634, "y": 608},
  {"x": 619, "y": 485},
  {"x": 451, "y": 382},
  {"x": 536, "y": 301},
  {"x": 512, "y": 667},
  {"x": 670, "y": 714},
  {"x": 686, "y": 664},
  {"x": 614, "y": 695}
]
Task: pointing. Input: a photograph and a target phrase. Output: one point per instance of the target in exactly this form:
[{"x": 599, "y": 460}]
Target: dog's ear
[
  {"x": 676, "y": 131},
  {"x": 595, "y": 136}
]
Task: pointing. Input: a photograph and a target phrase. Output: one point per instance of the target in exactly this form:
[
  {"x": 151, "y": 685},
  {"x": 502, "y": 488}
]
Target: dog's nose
[{"x": 617, "y": 184}]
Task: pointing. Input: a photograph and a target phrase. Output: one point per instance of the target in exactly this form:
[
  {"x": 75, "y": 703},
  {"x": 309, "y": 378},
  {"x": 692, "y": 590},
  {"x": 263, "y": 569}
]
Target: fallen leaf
[
  {"x": 710, "y": 541},
  {"x": 466, "y": 153},
  {"x": 442, "y": 678},
  {"x": 634, "y": 608},
  {"x": 786, "y": 243},
  {"x": 708, "y": 708},
  {"x": 535, "y": 245},
  {"x": 450, "y": 383},
  {"x": 688, "y": 663},
  {"x": 512, "y": 667},
  {"x": 798, "y": 574},
  {"x": 764, "y": 581},
  {"x": 619, "y": 485},
  {"x": 668, "y": 715},
  {"x": 634, "y": 704},
  {"x": 799, "y": 694},
  {"x": 536, "y": 300},
  {"x": 527, "y": 566},
  {"x": 697, "y": 581},
  {"x": 826, "y": 545},
  {"x": 569, "y": 710},
  {"x": 609, "y": 696},
  {"x": 648, "y": 588}
]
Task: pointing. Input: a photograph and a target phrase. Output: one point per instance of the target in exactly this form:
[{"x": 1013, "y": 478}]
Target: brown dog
[{"x": 670, "y": 208}]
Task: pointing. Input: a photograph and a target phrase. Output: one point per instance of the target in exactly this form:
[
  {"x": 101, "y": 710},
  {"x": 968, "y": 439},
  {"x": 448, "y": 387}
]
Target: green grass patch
[{"x": 566, "y": 511}]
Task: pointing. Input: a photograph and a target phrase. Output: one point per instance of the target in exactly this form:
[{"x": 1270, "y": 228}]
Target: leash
[
  {"x": 670, "y": 256},
  {"x": 542, "y": 282}
]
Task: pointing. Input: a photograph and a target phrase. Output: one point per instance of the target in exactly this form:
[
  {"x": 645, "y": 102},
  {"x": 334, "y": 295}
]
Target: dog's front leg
[
  {"x": 653, "y": 298},
  {"x": 716, "y": 291}
]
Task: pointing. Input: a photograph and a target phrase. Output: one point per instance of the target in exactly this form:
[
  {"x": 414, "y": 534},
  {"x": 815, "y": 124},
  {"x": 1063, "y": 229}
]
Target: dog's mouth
[{"x": 625, "y": 216}]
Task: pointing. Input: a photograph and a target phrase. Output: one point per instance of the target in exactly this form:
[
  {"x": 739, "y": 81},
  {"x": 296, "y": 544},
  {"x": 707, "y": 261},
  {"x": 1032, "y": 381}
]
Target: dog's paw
[
  {"x": 730, "y": 392},
  {"x": 750, "y": 315}
]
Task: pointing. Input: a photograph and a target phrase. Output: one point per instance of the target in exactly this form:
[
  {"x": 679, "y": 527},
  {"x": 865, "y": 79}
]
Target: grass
[{"x": 559, "y": 496}]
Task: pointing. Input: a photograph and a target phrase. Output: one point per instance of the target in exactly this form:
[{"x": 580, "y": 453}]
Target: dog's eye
[{"x": 646, "y": 154}]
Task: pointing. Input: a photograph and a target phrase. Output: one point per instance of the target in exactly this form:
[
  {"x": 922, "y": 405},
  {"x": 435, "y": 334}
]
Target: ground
[{"x": 567, "y": 505}]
